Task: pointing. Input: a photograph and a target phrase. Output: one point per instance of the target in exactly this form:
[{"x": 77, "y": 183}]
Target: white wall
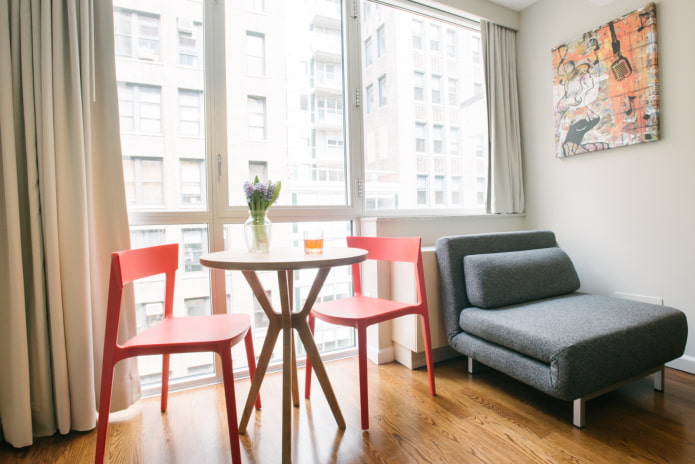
[{"x": 626, "y": 216}]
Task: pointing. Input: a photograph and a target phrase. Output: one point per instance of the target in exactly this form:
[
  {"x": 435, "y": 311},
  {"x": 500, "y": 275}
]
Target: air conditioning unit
[
  {"x": 186, "y": 25},
  {"x": 146, "y": 53}
]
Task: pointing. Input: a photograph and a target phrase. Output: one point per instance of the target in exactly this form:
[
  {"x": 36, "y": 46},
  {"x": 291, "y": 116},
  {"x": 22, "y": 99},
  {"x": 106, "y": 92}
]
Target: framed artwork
[{"x": 605, "y": 86}]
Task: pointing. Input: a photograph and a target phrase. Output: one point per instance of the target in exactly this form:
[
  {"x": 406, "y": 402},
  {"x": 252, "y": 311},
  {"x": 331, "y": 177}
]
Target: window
[
  {"x": 420, "y": 137},
  {"x": 422, "y": 190},
  {"x": 382, "y": 90},
  {"x": 439, "y": 190},
  {"x": 436, "y": 90},
  {"x": 452, "y": 91},
  {"x": 455, "y": 189},
  {"x": 192, "y": 182},
  {"x": 140, "y": 107},
  {"x": 190, "y": 42},
  {"x": 256, "y": 6},
  {"x": 327, "y": 74},
  {"x": 418, "y": 31},
  {"x": 197, "y": 306},
  {"x": 419, "y": 86},
  {"x": 454, "y": 144},
  {"x": 380, "y": 41},
  {"x": 368, "y": 51},
  {"x": 475, "y": 49},
  {"x": 255, "y": 53},
  {"x": 435, "y": 38},
  {"x": 275, "y": 101},
  {"x": 480, "y": 193},
  {"x": 195, "y": 243},
  {"x": 136, "y": 34},
  {"x": 438, "y": 139},
  {"x": 370, "y": 99},
  {"x": 256, "y": 114},
  {"x": 143, "y": 181},
  {"x": 451, "y": 43},
  {"x": 190, "y": 112}
]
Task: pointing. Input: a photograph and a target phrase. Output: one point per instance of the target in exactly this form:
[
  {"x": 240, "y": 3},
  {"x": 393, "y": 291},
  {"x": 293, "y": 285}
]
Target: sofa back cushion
[{"x": 502, "y": 279}]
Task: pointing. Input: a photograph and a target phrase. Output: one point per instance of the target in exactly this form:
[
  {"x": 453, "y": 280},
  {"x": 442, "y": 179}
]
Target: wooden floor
[{"x": 486, "y": 418}]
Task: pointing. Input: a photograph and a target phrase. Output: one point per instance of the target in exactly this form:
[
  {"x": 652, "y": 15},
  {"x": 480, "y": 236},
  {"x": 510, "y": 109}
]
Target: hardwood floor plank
[{"x": 486, "y": 418}]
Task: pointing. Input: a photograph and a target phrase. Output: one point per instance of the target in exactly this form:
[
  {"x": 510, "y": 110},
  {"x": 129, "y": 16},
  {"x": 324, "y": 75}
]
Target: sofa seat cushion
[
  {"x": 547, "y": 329},
  {"x": 502, "y": 279}
]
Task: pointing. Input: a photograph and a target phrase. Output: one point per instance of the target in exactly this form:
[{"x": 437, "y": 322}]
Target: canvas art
[{"x": 605, "y": 86}]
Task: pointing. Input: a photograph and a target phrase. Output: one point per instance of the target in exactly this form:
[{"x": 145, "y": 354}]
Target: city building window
[
  {"x": 475, "y": 49},
  {"x": 256, "y": 113},
  {"x": 380, "y": 41},
  {"x": 477, "y": 88},
  {"x": 436, "y": 90},
  {"x": 140, "y": 107},
  {"x": 190, "y": 42},
  {"x": 368, "y": 51},
  {"x": 257, "y": 6},
  {"x": 143, "y": 181},
  {"x": 453, "y": 92},
  {"x": 197, "y": 306},
  {"x": 143, "y": 238},
  {"x": 330, "y": 109},
  {"x": 136, "y": 34},
  {"x": 455, "y": 189},
  {"x": 480, "y": 194},
  {"x": 258, "y": 169},
  {"x": 439, "y": 187},
  {"x": 454, "y": 144},
  {"x": 422, "y": 190},
  {"x": 327, "y": 74},
  {"x": 370, "y": 99},
  {"x": 419, "y": 86},
  {"x": 418, "y": 30},
  {"x": 192, "y": 181},
  {"x": 382, "y": 90},
  {"x": 438, "y": 139},
  {"x": 255, "y": 53},
  {"x": 435, "y": 38},
  {"x": 190, "y": 112},
  {"x": 195, "y": 244},
  {"x": 420, "y": 137},
  {"x": 451, "y": 43}
]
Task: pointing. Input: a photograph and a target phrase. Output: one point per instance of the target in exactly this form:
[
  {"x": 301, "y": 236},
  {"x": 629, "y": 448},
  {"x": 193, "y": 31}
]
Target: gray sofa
[{"x": 510, "y": 302}]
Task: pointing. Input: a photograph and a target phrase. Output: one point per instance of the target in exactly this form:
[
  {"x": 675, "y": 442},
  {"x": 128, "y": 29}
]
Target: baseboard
[
  {"x": 684, "y": 363},
  {"x": 413, "y": 360}
]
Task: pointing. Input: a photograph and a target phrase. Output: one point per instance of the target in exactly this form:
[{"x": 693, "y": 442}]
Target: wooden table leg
[{"x": 286, "y": 367}]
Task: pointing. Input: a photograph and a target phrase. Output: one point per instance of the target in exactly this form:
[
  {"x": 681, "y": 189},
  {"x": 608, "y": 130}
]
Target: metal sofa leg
[
  {"x": 659, "y": 379},
  {"x": 579, "y": 415}
]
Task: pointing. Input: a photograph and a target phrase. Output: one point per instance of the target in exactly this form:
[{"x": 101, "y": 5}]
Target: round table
[{"x": 284, "y": 261}]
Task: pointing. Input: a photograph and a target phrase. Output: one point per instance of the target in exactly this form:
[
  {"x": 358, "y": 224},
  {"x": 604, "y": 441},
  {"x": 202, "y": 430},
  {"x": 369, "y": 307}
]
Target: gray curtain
[
  {"x": 62, "y": 212},
  {"x": 505, "y": 177}
]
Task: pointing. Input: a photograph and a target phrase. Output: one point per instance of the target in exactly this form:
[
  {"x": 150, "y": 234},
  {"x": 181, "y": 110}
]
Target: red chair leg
[
  {"x": 311, "y": 320},
  {"x": 104, "y": 407},
  {"x": 251, "y": 360},
  {"x": 428, "y": 352},
  {"x": 364, "y": 394},
  {"x": 230, "y": 399},
  {"x": 165, "y": 383}
]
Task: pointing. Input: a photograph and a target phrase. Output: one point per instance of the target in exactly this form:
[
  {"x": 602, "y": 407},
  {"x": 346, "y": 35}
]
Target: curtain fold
[
  {"x": 505, "y": 177},
  {"x": 62, "y": 212}
]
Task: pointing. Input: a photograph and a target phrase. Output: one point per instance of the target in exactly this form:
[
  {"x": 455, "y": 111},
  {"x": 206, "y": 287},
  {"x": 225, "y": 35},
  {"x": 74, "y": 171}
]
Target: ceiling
[{"x": 517, "y": 5}]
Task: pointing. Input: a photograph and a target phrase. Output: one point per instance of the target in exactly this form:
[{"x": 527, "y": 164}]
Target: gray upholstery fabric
[
  {"x": 568, "y": 346},
  {"x": 450, "y": 252},
  {"x": 502, "y": 279}
]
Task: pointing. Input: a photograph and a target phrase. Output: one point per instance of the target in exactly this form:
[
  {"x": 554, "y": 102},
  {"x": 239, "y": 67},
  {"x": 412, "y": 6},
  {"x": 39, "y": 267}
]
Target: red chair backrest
[{"x": 398, "y": 249}]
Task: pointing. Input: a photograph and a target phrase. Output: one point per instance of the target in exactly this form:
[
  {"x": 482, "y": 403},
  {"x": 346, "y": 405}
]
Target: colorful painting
[{"x": 605, "y": 87}]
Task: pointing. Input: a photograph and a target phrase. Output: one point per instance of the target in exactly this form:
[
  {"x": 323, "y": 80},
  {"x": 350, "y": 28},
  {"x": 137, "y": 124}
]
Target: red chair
[
  {"x": 216, "y": 333},
  {"x": 362, "y": 311}
]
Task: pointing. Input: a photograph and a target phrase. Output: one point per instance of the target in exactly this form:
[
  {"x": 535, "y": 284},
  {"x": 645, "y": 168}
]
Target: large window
[{"x": 266, "y": 89}]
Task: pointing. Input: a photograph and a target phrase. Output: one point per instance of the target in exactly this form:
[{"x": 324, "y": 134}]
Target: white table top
[{"x": 282, "y": 259}]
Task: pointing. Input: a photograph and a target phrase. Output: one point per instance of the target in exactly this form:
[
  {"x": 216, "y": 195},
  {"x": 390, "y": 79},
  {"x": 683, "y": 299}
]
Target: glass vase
[{"x": 258, "y": 232}]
